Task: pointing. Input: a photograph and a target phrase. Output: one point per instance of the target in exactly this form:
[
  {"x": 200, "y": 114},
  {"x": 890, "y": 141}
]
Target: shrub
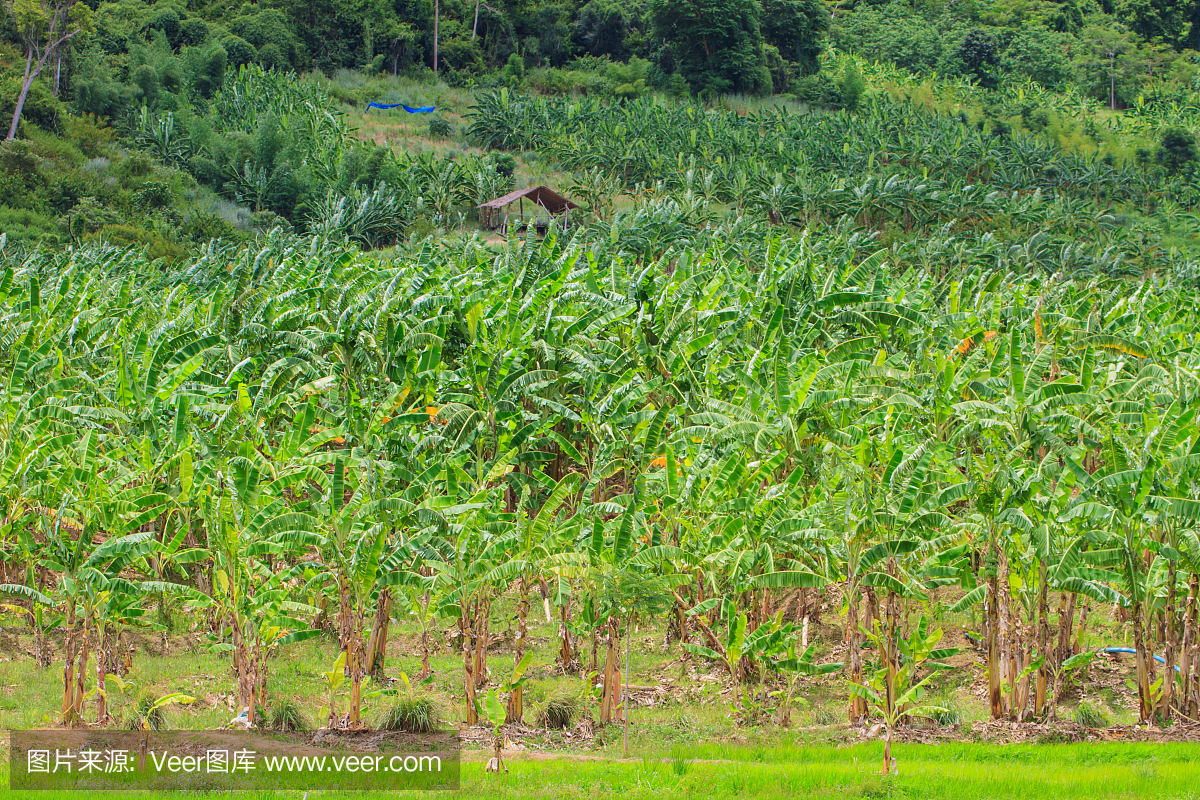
[
  {"x": 1090, "y": 716},
  {"x": 286, "y": 716},
  {"x": 156, "y": 718},
  {"x": 212, "y": 72},
  {"x": 239, "y": 51},
  {"x": 100, "y": 96},
  {"x": 21, "y": 174},
  {"x": 819, "y": 90},
  {"x": 28, "y": 227},
  {"x": 677, "y": 86},
  {"x": 193, "y": 32},
  {"x": 852, "y": 85},
  {"x": 505, "y": 164},
  {"x": 146, "y": 80},
  {"x": 411, "y": 714},
  {"x": 1177, "y": 151},
  {"x": 156, "y": 245},
  {"x": 953, "y": 713},
  {"x": 167, "y": 21},
  {"x": 88, "y": 133},
  {"x": 154, "y": 194},
  {"x": 439, "y": 127},
  {"x": 41, "y": 107},
  {"x": 270, "y": 56},
  {"x": 266, "y": 27},
  {"x": 559, "y": 713}
]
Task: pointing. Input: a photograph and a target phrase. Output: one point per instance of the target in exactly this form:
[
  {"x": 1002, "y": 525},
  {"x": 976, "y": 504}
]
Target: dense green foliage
[
  {"x": 243, "y": 146},
  {"x": 699, "y": 424}
]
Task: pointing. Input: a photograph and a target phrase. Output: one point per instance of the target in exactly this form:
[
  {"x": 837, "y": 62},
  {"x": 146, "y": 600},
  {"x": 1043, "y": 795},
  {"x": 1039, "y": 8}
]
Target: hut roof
[{"x": 543, "y": 196}]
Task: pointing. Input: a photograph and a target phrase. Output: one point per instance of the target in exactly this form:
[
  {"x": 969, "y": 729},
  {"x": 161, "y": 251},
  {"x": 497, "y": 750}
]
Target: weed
[
  {"x": 828, "y": 715},
  {"x": 952, "y": 713},
  {"x": 879, "y": 786},
  {"x": 681, "y": 764},
  {"x": 287, "y": 716},
  {"x": 559, "y": 713},
  {"x": 1090, "y": 716},
  {"x": 154, "y": 716},
  {"x": 411, "y": 714}
]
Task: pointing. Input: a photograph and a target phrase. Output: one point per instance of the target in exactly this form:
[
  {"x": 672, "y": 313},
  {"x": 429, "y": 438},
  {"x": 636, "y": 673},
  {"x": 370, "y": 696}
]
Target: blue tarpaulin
[{"x": 422, "y": 110}]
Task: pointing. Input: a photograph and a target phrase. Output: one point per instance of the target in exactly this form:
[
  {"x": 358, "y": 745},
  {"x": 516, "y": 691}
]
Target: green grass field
[
  {"x": 685, "y": 739},
  {"x": 951, "y": 771}
]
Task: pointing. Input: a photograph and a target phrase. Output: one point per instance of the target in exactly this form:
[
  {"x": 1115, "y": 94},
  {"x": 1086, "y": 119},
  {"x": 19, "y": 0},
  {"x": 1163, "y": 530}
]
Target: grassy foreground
[{"x": 951, "y": 771}]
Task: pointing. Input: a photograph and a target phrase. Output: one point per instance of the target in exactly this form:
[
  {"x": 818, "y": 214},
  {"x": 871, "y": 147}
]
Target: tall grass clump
[
  {"x": 1090, "y": 716},
  {"x": 410, "y": 714},
  {"x": 287, "y": 716}
]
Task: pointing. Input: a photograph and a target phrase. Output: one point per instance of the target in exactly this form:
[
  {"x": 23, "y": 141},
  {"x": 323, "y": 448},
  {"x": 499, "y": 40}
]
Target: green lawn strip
[{"x": 951, "y": 771}]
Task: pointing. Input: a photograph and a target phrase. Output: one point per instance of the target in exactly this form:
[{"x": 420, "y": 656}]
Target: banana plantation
[
  {"x": 303, "y": 441},
  {"x": 938, "y": 384}
]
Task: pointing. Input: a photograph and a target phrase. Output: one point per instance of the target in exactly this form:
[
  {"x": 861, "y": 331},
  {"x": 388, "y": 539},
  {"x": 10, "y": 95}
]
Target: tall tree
[
  {"x": 797, "y": 28},
  {"x": 45, "y": 25},
  {"x": 717, "y": 45}
]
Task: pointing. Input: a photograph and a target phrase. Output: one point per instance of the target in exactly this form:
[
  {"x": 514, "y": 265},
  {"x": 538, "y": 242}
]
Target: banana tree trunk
[
  {"x": 80, "y": 673},
  {"x": 611, "y": 699},
  {"x": 1187, "y": 652},
  {"x": 259, "y": 699},
  {"x": 425, "y": 670},
  {"x": 1008, "y": 661},
  {"x": 1043, "y": 641},
  {"x": 68, "y": 703},
  {"x": 892, "y": 655},
  {"x": 465, "y": 629},
  {"x": 349, "y": 630},
  {"x": 1066, "y": 621},
  {"x": 242, "y": 666},
  {"x": 482, "y": 635},
  {"x": 1145, "y": 676},
  {"x": 566, "y": 652},
  {"x": 516, "y": 706},
  {"x": 1168, "y": 692},
  {"x": 858, "y": 704},
  {"x": 377, "y": 643},
  {"x": 103, "y": 656},
  {"x": 996, "y": 698},
  {"x": 1077, "y": 647},
  {"x": 887, "y": 749}
]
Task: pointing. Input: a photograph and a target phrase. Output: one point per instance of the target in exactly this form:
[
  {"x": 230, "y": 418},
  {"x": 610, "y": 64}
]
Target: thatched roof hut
[{"x": 546, "y": 207}]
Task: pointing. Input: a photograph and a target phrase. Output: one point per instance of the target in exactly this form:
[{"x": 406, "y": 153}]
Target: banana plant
[
  {"x": 895, "y": 692},
  {"x": 497, "y": 711}
]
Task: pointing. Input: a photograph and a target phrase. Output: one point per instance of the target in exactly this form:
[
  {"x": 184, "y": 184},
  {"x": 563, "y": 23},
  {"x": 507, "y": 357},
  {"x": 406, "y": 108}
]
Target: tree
[
  {"x": 1177, "y": 150},
  {"x": 717, "y": 44},
  {"x": 1102, "y": 58},
  {"x": 1152, "y": 19},
  {"x": 978, "y": 56},
  {"x": 45, "y": 25},
  {"x": 798, "y": 29},
  {"x": 1040, "y": 55},
  {"x": 893, "y": 690},
  {"x": 601, "y": 28}
]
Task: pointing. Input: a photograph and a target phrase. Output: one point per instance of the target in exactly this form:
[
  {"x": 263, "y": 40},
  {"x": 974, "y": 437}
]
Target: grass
[
  {"x": 686, "y": 742},
  {"x": 412, "y": 714},
  {"x": 953, "y": 772}
]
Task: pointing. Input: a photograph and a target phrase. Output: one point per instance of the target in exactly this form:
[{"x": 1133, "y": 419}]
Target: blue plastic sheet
[{"x": 409, "y": 109}]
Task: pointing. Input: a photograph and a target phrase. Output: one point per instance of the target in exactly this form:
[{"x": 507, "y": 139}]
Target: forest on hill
[
  {"x": 167, "y": 53},
  {"x": 135, "y": 123}
]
